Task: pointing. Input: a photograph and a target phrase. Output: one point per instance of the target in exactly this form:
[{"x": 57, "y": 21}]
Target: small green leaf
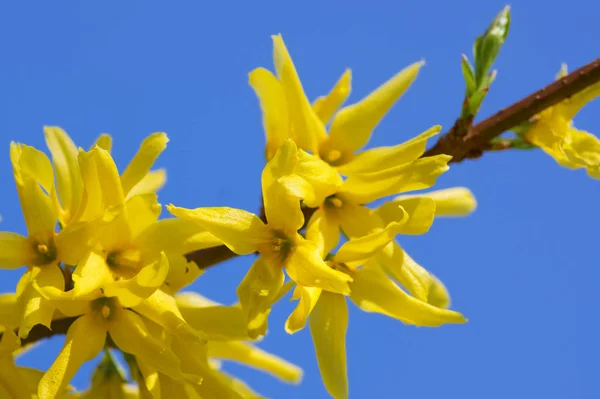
[
  {"x": 467, "y": 71},
  {"x": 487, "y": 46}
]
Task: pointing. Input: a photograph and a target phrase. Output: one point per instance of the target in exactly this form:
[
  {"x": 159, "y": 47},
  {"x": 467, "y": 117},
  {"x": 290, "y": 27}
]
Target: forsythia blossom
[
  {"x": 553, "y": 132},
  {"x": 97, "y": 259}
]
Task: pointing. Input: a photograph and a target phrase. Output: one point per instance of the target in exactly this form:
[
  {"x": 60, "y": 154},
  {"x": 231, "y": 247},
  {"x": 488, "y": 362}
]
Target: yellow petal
[
  {"x": 133, "y": 291},
  {"x": 373, "y": 291},
  {"x": 12, "y": 381},
  {"x": 68, "y": 177},
  {"x": 323, "y": 230},
  {"x": 438, "y": 294},
  {"x": 217, "y": 322},
  {"x": 129, "y": 334},
  {"x": 15, "y": 250},
  {"x": 35, "y": 163},
  {"x": 282, "y": 190},
  {"x": 237, "y": 385},
  {"x": 324, "y": 179},
  {"x": 141, "y": 163},
  {"x": 36, "y": 308},
  {"x": 149, "y": 382},
  {"x": 357, "y": 220},
  {"x": 175, "y": 236},
  {"x": 103, "y": 141},
  {"x": 352, "y": 126},
  {"x": 90, "y": 276},
  {"x": 108, "y": 178},
  {"x": 274, "y": 108},
  {"x": 359, "y": 250},
  {"x": 308, "y": 299},
  {"x": 328, "y": 325},
  {"x": 306, "y": 267},
  {"x": 417, "y": 175},
  {"x": 571, "y": 106},
  {"x": 161, "y": 308},
  {"x": 84, "y": 341},
  {"x": 240, "y": 230},
  {"x": 181, "y": 272},
  {"x": 326, "y": 106},
  {"x": 257, "y": 292},
  {"x": 420, "y": 212},
  {"x": 582, "y": 149},
  {"x": 151, "y": 183},
  {"x": 142, "y": 211},
  {"x": 455, "y": 201},
  {"x": 382, "y": 158},
  {"x": 252, "y": 356},
  {"x": 10, "y": 311},
  {"x": 401, "y": 267},
  {"x": 305, "y": 127},
  {"x": 38, "y": 211}
]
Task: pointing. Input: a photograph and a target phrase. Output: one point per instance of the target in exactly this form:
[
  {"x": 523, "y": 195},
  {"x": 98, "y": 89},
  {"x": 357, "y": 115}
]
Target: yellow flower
[
  {"x": 287, "y": 113},
  {"x": 553, "y": 132},
  {"x": 371, "y": 290},
  {"x": 278, "y": 241}
]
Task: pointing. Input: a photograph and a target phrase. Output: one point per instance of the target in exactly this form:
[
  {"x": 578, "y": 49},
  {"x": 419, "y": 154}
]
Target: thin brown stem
[{"x": 477, "y": 138}]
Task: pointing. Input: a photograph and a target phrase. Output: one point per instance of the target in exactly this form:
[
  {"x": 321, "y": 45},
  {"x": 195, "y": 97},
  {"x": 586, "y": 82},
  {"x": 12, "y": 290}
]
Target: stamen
[
  {"x": 334, "y": 201},
  {"x": 45, "y": 251},
  {"x": 105, "y": 311},
  {"x": 333, "y": 156}
]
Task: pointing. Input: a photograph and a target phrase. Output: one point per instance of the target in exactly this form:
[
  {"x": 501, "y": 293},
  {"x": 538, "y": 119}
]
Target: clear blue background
[{"x": 523, "y": 268}]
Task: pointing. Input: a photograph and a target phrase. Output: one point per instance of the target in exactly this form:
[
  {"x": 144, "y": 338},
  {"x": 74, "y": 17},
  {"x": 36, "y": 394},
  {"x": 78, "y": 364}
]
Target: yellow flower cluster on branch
[{"x": 325, "y": 169}]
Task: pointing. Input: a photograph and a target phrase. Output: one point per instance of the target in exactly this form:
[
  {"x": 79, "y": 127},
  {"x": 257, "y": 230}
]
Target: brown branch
[
  {"x": 477, "y": 138},
  {"x": 455, "y": 143}
]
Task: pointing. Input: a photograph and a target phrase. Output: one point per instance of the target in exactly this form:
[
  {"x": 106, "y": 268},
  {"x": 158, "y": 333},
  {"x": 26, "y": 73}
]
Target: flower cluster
[
  {"x": 98, "y": 258},
  {"x": 325, "y": 173}
]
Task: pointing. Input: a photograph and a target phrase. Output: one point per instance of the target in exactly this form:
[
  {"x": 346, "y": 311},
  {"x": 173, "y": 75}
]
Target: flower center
[
  {"x": 44, "y": 249},
  {"x": 279, "y": 247},
  {"x": 333, "y": 202},
  {"x": 124, "y": 263},
  {"x": 105, "y": 308}
]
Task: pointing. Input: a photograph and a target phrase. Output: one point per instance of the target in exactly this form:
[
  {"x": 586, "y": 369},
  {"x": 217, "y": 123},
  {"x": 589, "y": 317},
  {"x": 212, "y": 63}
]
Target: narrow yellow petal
[
  {"x": 10, "y": 311},
  {"x": 308, "y": 297},
  {"x": 161, "y": 308},
  {"x": 352, "y": 126},
  {"x": 257, "y": 292},
  {"x": 250, "y": 355},
  {"x": 357, "y": 220},
  {"x": 133, "y": 291},
  {"x": 359, "y": 250},
  {"x": 417, "y": 175},
  {"x": 142, "y": 211},
  {"x": 108, "y": 176},
  {"x": 175, "y": 236},
  {"x": 582, "y": 149},
  {"x": 420, "y": 211},
  {"x": 129, "y": 334},
  {"x": 15, "y": 250},
  {"x": 326, "y": 106},
  {"x": 143, "y": 160},
  {"x": 68, "y": 177},
  {"x": 324, "y": 179},
  {"x": 323, "y": 230},
  {"x": 305, "y": 127},
  {"x": 181, "y": 272},
  {"x": 438, "y": 294},
  {"x": 217, "y": 322},
  {"x": 274, "y": 108},
  {"x": 36, "y": 308},
  {"x": 103, "y": 141},
  {"x": 240, "y": 230},
  {"x": 455, "y": 201},
  {"x": 151, "y": 183},
  {"x": 36, "y": 164},
  {"x": 13, "y": 383},
  {"x": 402, "y": 268},
  {"x": 90, "y": 276},
  {"x": 328, "y": 325},
  {"x": 373, "y": 291},
  {"x": 306, "y": 267},
  {"x": 382, "y": 158},
  {"x": 84, "y": 341}
]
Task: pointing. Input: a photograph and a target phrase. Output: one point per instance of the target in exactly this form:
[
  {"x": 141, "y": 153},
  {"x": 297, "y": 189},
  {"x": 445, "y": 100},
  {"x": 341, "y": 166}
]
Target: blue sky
[{"x": 522, "y": 268}]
